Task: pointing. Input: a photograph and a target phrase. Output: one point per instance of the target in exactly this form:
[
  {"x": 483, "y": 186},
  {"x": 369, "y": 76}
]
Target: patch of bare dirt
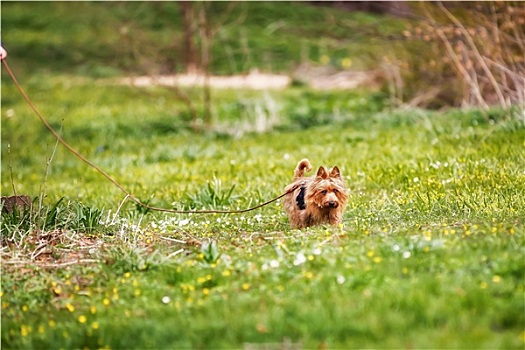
[
  {"x": 329, "y": 78},
  {"x": 54, "y": 248},
  {"x": 320, "y": 78},
  {"x": 253, "y": 81}
]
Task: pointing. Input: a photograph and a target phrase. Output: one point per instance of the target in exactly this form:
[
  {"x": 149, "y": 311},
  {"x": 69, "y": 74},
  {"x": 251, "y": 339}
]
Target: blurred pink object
[{"x": 3, "y": 53}]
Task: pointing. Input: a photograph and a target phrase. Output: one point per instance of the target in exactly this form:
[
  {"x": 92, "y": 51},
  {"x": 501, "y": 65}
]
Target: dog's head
[{"x": 328, "y": 190}]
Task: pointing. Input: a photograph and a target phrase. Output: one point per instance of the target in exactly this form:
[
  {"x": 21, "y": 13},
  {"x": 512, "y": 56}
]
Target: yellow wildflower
[
  {"x": 346, "y": 62},
  {"x": 324, "y": 59}
]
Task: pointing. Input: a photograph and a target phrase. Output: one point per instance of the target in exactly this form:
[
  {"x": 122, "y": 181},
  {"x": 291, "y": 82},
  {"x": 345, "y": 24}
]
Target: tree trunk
[{"x": 190, "y": 52}]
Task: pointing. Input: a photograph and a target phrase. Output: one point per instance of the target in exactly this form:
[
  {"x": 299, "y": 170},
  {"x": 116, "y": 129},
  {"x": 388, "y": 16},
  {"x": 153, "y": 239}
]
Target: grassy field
[
  {"x": 107, "y": 39},
  {"x": 430, "y": 253}
]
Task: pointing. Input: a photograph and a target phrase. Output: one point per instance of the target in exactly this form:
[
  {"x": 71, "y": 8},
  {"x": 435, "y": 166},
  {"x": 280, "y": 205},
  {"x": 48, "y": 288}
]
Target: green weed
[
  {"x": 212, "y": 196},
  {"x": 21, "y": 223},
  {"x": 15, "y": 223},
  {"x": 210, "y": 252}
]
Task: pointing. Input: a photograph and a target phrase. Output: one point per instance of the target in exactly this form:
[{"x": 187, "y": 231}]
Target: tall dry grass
[{"x": 459, "y": 54}]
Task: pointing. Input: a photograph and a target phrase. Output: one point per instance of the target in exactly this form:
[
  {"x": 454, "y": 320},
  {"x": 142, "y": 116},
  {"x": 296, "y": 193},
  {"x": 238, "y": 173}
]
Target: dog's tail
[{"x": 301, "y": 167}]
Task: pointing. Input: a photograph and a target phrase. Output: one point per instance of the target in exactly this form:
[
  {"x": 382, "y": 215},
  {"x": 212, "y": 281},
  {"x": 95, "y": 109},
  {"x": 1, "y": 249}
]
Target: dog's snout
[{"x": 333, "y": 204}]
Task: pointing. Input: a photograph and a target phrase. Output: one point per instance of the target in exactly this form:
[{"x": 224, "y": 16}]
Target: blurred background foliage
[{"x": 429, "y": 55}]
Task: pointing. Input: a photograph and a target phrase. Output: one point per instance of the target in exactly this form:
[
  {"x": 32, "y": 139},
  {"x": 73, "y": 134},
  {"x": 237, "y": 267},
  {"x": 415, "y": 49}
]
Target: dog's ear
[
  {"x": 335, "y": 172},
  {"x": 322, "y": 172}
]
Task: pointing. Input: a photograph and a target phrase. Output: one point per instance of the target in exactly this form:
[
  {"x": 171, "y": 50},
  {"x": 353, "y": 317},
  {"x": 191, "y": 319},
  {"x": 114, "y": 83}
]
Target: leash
[{"x": 110, "y": 178}]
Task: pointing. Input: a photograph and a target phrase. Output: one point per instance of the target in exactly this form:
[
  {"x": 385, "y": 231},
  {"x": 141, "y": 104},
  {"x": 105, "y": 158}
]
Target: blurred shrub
[{"x": 460, "y": 55}]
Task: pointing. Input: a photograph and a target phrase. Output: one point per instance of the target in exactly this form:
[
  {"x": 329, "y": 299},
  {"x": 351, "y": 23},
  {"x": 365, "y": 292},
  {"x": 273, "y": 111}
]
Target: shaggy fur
[{"x": 316, "y": 200}]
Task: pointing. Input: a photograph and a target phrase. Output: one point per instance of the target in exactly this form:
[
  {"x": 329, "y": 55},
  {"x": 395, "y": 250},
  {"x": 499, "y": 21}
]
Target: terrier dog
[{"x": 315, "y": 200}]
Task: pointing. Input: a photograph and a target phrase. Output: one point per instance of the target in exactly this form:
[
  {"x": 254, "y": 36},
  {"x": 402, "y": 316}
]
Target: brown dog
[{"x": 315, "y": 200}]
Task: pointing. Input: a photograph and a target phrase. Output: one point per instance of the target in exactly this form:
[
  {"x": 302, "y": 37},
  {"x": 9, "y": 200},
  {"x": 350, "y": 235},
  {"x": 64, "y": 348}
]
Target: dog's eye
[
  {"x": 323, "y": 192},
  {"x": 336, "y": 191}
]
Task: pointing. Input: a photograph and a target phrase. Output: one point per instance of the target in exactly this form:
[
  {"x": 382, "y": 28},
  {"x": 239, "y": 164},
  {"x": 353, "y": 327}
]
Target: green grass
[
  {"x": 430, "y": 253},
  {"x": 108, "y": 38}
]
